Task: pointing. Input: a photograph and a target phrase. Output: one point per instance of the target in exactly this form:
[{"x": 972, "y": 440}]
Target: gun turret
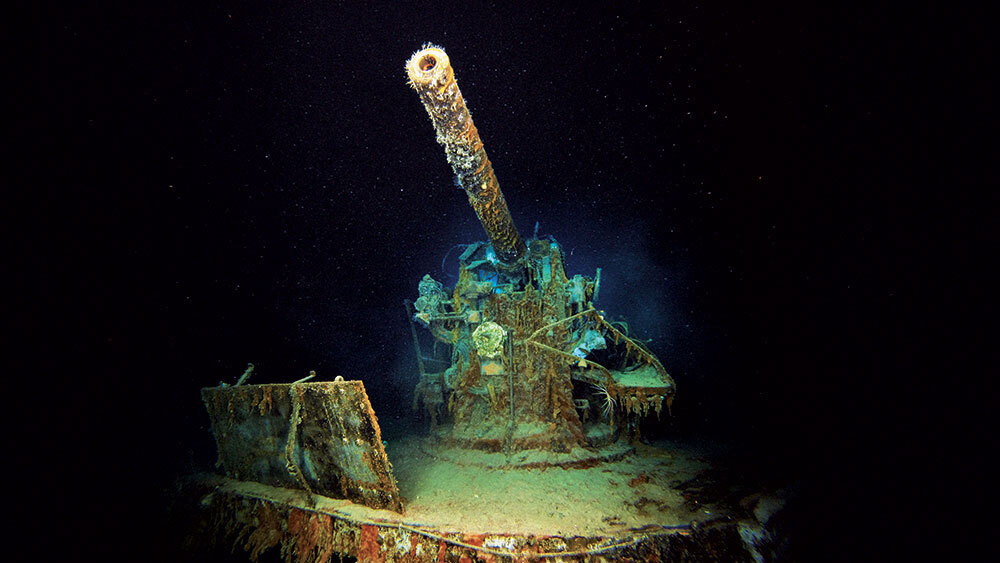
[
  {"x": 431, "y": 75},
  {"x": 527, "y": 348}
]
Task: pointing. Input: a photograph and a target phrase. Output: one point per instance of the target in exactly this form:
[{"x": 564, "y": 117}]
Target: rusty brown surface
[
  {"x": 542, "y": 415},
  {"x": 433, "y": 77},
  {"x": 528, "y": 397},
  {"x": 237, "y": 514},
  {"x": 321, "y": 437},
  {"x": 531, "y": 397}
]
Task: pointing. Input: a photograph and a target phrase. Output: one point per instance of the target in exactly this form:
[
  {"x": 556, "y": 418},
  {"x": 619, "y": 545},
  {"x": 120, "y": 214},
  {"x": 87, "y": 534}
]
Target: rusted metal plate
[
  {"x": 263, "y": 519},
  {"x": 321, "y": 437}
]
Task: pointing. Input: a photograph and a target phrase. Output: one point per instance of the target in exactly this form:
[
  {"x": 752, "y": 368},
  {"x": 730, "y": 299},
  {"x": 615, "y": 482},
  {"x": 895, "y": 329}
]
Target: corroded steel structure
[
  {"x": 431, "y": 75},
  {"x": 531, "y": 363},
  {"x": 298, "y": 528},
  {"x": 524, "y": 374},
  {"x": 319, "y": 437}
]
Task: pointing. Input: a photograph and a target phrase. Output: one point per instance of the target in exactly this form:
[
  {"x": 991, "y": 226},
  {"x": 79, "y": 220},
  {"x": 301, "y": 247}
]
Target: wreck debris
[
  {"x": 312, "y": 374},
  {"x": 246, "y": 374},
  {"x": 488, "y": 338},
  {"x": 320, "y": 437},
  {"x": 514, "y": 319}
]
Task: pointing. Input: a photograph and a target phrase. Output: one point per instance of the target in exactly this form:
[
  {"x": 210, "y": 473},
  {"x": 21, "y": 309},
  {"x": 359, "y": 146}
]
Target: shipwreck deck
[{"x": 633, "y": 508}]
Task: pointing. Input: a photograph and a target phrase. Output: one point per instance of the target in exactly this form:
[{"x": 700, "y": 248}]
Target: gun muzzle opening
[
  {"x": 428, "y": 66},
  {"x": 427, "y": 62}
]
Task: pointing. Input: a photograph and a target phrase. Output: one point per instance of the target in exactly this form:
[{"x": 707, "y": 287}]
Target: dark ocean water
[{"x": 224, "y": 184}]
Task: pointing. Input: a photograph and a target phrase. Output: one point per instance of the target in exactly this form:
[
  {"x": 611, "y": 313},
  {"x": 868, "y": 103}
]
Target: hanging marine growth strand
[{"x": 431, "y": 75}]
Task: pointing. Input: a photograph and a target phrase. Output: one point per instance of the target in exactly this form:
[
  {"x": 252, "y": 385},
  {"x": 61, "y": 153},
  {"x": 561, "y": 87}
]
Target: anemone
[{"x": 608, "y": 402}]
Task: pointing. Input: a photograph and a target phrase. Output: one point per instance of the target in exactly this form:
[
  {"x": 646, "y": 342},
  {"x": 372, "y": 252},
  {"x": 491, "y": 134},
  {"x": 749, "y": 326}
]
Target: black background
[{"x": 203, "y": 186}]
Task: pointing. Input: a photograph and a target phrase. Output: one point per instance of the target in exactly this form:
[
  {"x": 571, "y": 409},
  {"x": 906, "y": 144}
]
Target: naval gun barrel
[{"x": 431, "y": 75}]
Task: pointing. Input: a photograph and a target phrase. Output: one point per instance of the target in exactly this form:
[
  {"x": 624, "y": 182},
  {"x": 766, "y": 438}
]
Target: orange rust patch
[
  {"x": 474, "y": 539},
  {"x": 369, "y": 550}
]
